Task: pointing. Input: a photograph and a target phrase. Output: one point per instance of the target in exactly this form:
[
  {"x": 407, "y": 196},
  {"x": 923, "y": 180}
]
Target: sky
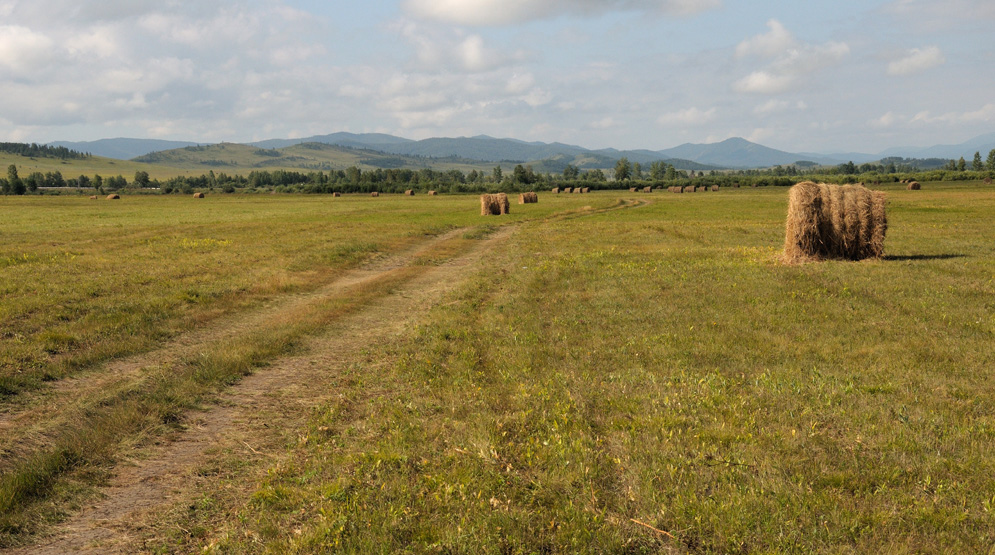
[{"x": 813, "y": 76}]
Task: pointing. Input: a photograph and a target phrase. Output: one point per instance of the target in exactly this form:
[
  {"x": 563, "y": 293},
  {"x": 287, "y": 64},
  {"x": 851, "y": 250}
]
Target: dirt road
[{"x": 256, "y": 417}]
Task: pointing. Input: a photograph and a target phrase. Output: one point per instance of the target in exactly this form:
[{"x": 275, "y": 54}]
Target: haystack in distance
[
  {"x": 845, "y": 222},
  {"x": 494, "y": 205}
]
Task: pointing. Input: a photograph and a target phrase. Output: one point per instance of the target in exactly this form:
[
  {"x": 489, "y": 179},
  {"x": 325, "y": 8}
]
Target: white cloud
[
  {"x": 985, "y": 114},
  {"x": 774, "y": 106},
  {"x": 789, "y": 58},
  {"x": 770, "y": 44},
  {"x": 506, "y": 12},
  {"x": 916, "y": 61},
  {"x": 22, "y": 49},
  {"x": 887, "y": 120},
  {"x": 690, "y": 116},
  {"x": 763, "y": 82}
]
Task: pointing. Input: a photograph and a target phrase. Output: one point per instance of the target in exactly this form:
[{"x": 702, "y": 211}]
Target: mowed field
[{"x": 614, "y": 372}]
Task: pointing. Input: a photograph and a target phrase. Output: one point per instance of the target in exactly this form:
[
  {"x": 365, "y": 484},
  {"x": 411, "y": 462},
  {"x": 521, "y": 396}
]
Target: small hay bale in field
[
  {"x": 647, "y": 189},
  {"x": 834, "y": 222},
  {"x": 375, "y": 194},
  {"x": 94, "y": 197},
  {"x": 988, "y": 181},
  {"x": 632, "y": 189},
  {"x": 555, "y": 191},
  {"x": 409, "y": 193},
  {"x": 914, "y": 186},
  {"x": 586, "y": 190},
  {"x": 736, "y": 185},
  {"x": 336, "y": 194},
  {"x": 699, "y": 189},
  {"x": 433, "y": 193},
  {"x": 715, "y": 188},
  {"x": 494, "y": 205},
  {"x": 198, "y": 195},
  {"x": 113, "y": 196},
  {"x": 689, "y": 189},
  {"x": 567, "y": 190},
  {"x": 528, "y": 198}
]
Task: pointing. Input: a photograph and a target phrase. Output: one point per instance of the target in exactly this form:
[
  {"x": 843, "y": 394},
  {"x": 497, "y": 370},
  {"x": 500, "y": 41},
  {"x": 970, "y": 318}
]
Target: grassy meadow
[{"x": 650, "y": 379}]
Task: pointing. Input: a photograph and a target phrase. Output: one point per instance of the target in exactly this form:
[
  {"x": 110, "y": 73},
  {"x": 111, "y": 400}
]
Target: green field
[{"x": 616, "y": 376}]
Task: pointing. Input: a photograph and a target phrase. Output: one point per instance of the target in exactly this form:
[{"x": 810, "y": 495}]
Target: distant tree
[
  {"x": 848, "y": 169},
  {"x": 961, "y": 164},
  {"x": 658, "y": 170},
  {"x": 524, "y": 175},
  {"x": 571, "y": 172},
  {"x": 497, "y": 174},
  {"x": 637, "y": 171},
  {"x": 623, "y": 170},
  {"x": 473, "y": 176},
  {"x": 15, "y": 185},
  {"x": 353, "y": 174},
  {"x": 977, "y": 165},
  {"x": 35, "y": 180},
  {"x": 671, "y": 173},
  {"x": 141, "y": 178},
  {"x": 595, "y": 175},
  {"x": 83, "y": 181},
  {"x": 98, "y": 182},
  {"x": 990, "y": 165}
]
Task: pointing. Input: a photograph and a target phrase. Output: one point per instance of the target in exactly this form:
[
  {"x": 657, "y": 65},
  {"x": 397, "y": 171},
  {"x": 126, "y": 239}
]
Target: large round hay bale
[
  {"x": 913, "y": 186},
  {"x": 834, "y": 222},
  {"x": 988, "y": 181},
  {"x": 113, "y": 196},
  {"x": 715, "y": 187},
  {"x": 375, "y": 194},
  {"x": 336, "y": 194},
  {"x": 555, "y": 191},
  {"x": 198, "y": 195},
  {"x": 632, "y": 189},
  {"x": 409, "y": 193},
  {"x": 647, "y": 189},
  {"x": 585, "y": 190},
  {"x": 528, "y": 198},
  {"x": 433, "y": 193},
  {"x": 94, "y": 197}
]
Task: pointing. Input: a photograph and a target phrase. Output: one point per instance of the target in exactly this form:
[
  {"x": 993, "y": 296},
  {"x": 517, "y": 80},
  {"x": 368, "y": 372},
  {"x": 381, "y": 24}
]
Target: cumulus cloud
[
  {"x": 507, "y": 12},
  {"x": 985, "y": 114},
  {"x": 690, "y": 116},
  {"x": 788, "y": 59},
  {"x": 917, "y": 60},
  {"x": 770, "y": 44}
]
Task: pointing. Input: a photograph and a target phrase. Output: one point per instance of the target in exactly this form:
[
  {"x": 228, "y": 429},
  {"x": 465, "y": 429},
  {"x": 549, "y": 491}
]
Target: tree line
[
  {"x": 522, "y": 178},
  {"x": 42, "y": 151}
]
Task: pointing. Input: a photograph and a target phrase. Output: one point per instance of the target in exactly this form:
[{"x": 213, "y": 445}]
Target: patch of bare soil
[{"x": 257, "y": 416}]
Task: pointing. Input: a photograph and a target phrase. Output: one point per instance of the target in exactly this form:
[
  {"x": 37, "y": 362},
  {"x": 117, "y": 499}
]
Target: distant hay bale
[
  {"x": 555, "y": 191},
  {"x": 647, "y": 189},
  {"x": 198, "y": 195},
  {"x": 988, "y": 181},
  {"x": 336, "y": 194},
  {"x": 914, "y": 186},
  {"x": 585, "y": 190},
  {"x": 632, "y": 189},
  {"x": 715, "y": 187},
  {"x": 94, "y": 197},
  {"x": 689, "y": 189},
  {"x": 834, "y": 222},
  {"x": 433, "y": 193},
  {"x": 113, "y": 197},
  {"x": 528, "y": 198},
  {"x": 736, "y": 185},
  {"x": 699, "y": 189},
  {"x": 409, "y": 193},
  {"x": 375, "y": 194},
  {"x": 494, "y": 205},
  {"x": 568, "y": 190}
]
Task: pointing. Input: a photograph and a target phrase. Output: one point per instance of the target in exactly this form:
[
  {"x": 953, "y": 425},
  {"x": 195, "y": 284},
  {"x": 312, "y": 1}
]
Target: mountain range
[{"x": 730, "y": 153}]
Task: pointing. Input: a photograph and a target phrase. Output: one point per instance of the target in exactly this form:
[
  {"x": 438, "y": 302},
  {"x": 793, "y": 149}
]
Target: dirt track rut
[{"x": 241, "y": 421}]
